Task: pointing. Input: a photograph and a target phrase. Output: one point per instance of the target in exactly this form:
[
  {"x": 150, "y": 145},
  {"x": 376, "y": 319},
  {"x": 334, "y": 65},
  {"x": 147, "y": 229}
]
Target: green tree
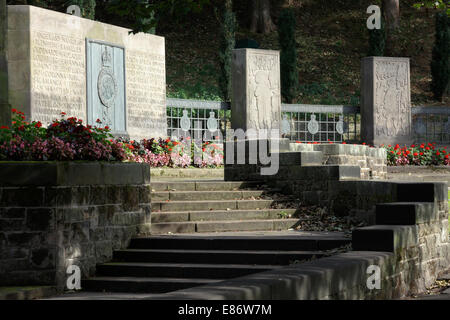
[
  {"x": 440, "y": 63},
  {"x": 288, "y": 55},
  {"x": 227, "y": 45},
  {"x": 377, "y": 41},
  {"x": 441, "y": 5},
  {"x": 87, "y": 7}
]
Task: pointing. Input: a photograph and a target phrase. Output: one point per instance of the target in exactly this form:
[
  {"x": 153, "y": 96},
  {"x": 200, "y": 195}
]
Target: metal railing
[
  {"x": 431, "y": 124},
  {"x": 321, "y": 123},
  {"x": 198, "y": 119},
  {"x": 300, "y": 122}
]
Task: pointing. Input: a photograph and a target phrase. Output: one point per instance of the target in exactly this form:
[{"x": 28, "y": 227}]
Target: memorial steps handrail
[
  {"x": 197, "y": 104},
  {"x": 317, "y": 108},
  {"x": 430, "y": 110}
]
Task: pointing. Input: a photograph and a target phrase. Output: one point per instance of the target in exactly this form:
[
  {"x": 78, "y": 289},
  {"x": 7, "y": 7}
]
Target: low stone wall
[
  {"x": 53, "y": 215},
  {"x": 372, "y": 161},
  {"x": 419, "y": 173}
]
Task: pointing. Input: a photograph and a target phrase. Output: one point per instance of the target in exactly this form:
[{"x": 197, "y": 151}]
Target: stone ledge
[
  {"x": 19, "y": 174},
  {"x": 319, "y": 279}
]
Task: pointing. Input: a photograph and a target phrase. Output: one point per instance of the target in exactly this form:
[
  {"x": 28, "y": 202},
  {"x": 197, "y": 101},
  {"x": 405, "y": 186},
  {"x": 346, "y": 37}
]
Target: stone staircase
[
  {"x": 217, "y": 206},
  {"x": 161, "y": 264}
]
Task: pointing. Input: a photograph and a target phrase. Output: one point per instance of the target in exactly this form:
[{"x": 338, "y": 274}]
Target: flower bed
[
  {"x": 425, "y": 154},
  {"x": 70, "y": 140}
]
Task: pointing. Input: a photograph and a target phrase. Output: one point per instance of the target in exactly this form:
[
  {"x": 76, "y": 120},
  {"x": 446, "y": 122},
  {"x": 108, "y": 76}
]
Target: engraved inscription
[
  {"x": 146, "y": 92},
  {"x": 58, "y": 76},
  {"x": 392, "y": 99}
]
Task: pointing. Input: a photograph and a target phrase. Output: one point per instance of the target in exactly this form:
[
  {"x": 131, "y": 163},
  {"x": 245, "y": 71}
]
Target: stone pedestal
[
  {"x": 385, "y": 101},
  {"x": 256, "y": 102},
  {"x": 5, "y": 110}
]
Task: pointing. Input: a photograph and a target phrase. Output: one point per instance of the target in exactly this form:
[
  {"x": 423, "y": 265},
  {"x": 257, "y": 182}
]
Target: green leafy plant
[
  {"x": 227, "y": 44},
  {"x": 288, "y": 55},
  {"x": 440, "y": 64},
  {"x": 377, "y": 41}
]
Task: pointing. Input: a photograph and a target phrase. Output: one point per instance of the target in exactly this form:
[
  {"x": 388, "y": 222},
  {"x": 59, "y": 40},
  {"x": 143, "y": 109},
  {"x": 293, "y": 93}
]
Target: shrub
[
  {"x": 377, "y": 41},
  {"x": 288, "y": 55},
  {"x": 440, "y": 63},
  {"x": 417, "y": 155},
  {"x": 226, "y": 50}
]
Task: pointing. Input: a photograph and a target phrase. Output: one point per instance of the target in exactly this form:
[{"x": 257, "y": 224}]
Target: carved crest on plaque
[
  {"x": 285, "y": 125},
  {"x": 313, "y": 125},
  {"x": 185, "y": 122},
  {"x": 340, "y": 126},
  {"x": 107, "y": 83},
  {"x": 212, "y": 122}
]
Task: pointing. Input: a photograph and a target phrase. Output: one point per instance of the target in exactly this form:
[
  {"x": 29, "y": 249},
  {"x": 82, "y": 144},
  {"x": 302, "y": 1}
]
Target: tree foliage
[
  {"x": 87, "y": 7},
  {"x": 288, "y": 58},
  {"x": 226, "y": 49},
  {"x": 377, "y": 41},
  {"x": 440, "y": 64},
  {"x": 434, "y": 4}
]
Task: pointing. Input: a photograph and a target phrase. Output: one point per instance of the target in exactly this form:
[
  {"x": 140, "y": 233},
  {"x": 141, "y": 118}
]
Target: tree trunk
[
  {"x": 261, "y": 19},
  {"x": 391, "y": 10}
]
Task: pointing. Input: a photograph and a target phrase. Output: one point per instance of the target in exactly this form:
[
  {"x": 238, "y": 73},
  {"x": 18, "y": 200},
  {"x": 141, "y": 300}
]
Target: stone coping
[
  {"x": 187, "y": 173},
  {"x": 341, "y": 149},
  {"x": 419, "y": 169},
  {"x": 19, "y": 174},
  {"x": 340, "y": 276}
]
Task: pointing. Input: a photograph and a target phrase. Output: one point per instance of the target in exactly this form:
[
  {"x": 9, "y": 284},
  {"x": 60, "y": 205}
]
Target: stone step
[
  {"x": 179, "y": 270},
  {"x": 309, "y": 158},
  {"x": 221, "y": 215},
  {"x": 210, "y": 195},
  {"x": 406, "y": 213},
  {"x": 223, "y": 226},
  {"x": 384, "y": 238},
  {"x": 245, "y": 257},
  {"x": 172, "y": 206},
  {"x": 416, "y": 192},
  {"x": 266, "y": 241},
  {"x": 293, "y": 172},
  {"x": 141, "y": 285},
  {"x": 205, "y": 185}
]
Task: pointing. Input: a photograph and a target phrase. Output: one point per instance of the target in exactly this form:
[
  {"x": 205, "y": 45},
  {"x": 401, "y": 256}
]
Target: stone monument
[
  {"x": 87, "y": 69},
  {"x": 256, "y": 100},
  {"x": 386, "y": 101},
  {"x": 5, "y": 110}
]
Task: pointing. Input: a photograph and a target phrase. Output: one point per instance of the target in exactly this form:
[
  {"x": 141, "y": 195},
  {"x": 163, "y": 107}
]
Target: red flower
[
  {"x": 14, "y": 110},
  {"x": 438, "y": 153},
  {"x": 107, "y": 128},
  {"x": 98, "y": 121},
  {"x": 4, "y": 127},
  {"x": 421, "y": 153},
  {"x": 63, "y": 113},
  {"x": 416, "y": 154},
  {"x": 38, "y": 124},
  {"x": 427, "y": 148}
]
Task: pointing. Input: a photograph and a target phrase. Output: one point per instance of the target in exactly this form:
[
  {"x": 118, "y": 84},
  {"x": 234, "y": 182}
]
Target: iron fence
[
  {"x": 431, "y": 124},
  {"x": 321, "y": 123},
  {"x": 205, "y": 120},
  {"x": 300, "y": 122}
]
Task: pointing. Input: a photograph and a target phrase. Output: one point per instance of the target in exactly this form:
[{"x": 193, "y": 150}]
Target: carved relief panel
[
  {"x": 263, "y": 85},
  {"x": 392, "y": 99}
]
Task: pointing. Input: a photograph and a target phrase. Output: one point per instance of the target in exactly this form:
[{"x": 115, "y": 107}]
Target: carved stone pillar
[
  {"x": 385, "y": 101},
  {"x": 256, "y": 102}
]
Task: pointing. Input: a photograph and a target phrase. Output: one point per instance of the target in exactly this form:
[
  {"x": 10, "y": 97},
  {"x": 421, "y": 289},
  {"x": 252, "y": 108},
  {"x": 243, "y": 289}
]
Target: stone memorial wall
[
  {"x": 50, "y": 66},
  {"x": 386, "y": 100}
]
